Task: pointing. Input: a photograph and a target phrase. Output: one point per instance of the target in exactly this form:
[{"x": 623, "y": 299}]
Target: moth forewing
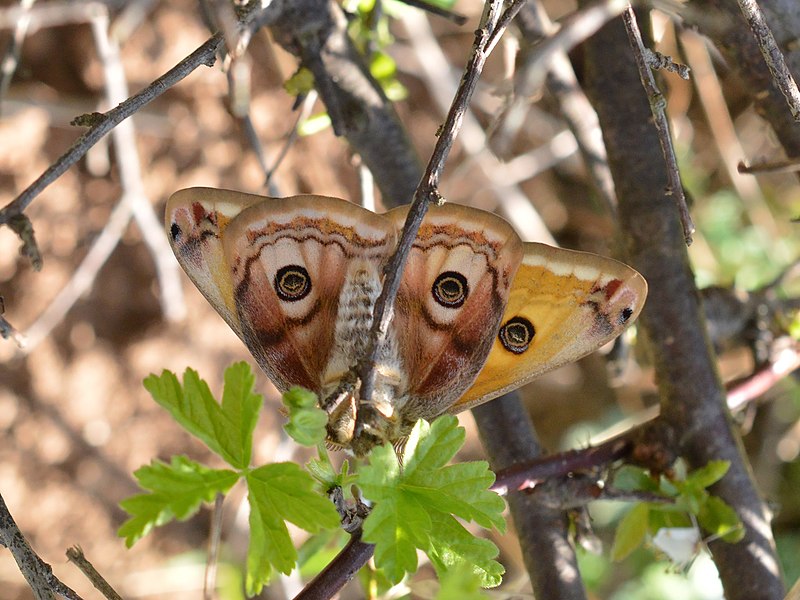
[{"x": 563, "y": 305}]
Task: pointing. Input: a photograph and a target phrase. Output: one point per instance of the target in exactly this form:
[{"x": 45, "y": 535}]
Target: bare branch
[
  {"x": 37, "y": 573},
  {"x": 77, "y": 557},
  {"x": 11, "y": 58},
  {"x": 204, "y": 55},
  {"x": 130, "y": 172},
  {"x": 562, "y": 83},
  {"x": 772, "y": 55},
  {"x": 428, "y": 191},
  {"x": 339, "y": 571},
  {"x": 789, "y": 165},
  {"x": 658, "y": 105}
]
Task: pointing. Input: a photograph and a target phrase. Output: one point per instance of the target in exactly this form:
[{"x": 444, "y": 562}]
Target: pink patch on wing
[
  {"x": 611, "y": 288},
  {"x": 199, "y": 213}
]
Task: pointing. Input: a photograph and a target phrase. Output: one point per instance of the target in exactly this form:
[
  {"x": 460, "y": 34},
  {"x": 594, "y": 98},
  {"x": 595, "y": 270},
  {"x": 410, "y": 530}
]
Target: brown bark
[
  {"x": 692, "y": 396},
  {"x": 508, "y": 437},
  {"x": 316, "y": 32}
]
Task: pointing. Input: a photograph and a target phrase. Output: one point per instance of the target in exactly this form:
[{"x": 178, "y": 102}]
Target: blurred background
[{"x": 111, "y": 306}]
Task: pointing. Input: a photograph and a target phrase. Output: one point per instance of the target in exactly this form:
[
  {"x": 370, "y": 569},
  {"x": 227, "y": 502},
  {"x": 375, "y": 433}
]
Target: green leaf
[
  {"x": 307, "y": 420},
  {"x": 322, "y": 470},
  {"x": 178, "y": 489},
  {"x": 629, "y": 478},
  {"x": 631, "y": 531},
  {"x": 414, "y": 506},
  {"x": 382, "y": 66},
  {"x": 461, "y": 489},
  {"x": 431, "y": 446},
  {"x": 460, "y": 583},
  {"x": 301, "y": 82},
  {"x": 281, "y": 492},
  {"x": 709, "y": 474},
  {"x": 226, "y": 429},
  {"x": 397, "y": 527},
  {"x": 718, "y": 518},
  {"x": 454, "y": 547},
  {"x": 313, "y": 124}
]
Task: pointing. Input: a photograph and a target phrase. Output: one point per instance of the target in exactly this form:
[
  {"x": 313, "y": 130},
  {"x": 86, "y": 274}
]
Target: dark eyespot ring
[
  {"x": 450, "y": 289},
  {"x": 292, "y": 283},
  {"x": 517, "y": 334},
  {"x": 625, "y": 315}
]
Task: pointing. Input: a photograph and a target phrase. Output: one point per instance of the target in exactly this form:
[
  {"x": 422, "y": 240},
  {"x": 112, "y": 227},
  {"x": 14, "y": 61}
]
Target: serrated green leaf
[
  {"x": 241, "y": 406},
  {"x": 414, "y": 506},
  {"x": 631, "y": 531},
  {"x": 148, "y": 511},
  {"x": 397, "y": 526},
  {"x": 454, "y": 547},
  {"x": 462, "y": 490},
  {"x": 460, "y": 583},
  {"x": 226, "y": 429},
  {"x": 431, "y": 446},
  {"x": 708, "y": 474},
  {"x": 178, "y": 489},
  {"x": 380, "y": 477},
  {"x": 718, "y": 518},
  {"x": 281, "y": 492}
]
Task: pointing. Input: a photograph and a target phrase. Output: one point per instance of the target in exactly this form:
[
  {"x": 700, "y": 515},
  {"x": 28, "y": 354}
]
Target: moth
[{"x": 479, "y": 312}]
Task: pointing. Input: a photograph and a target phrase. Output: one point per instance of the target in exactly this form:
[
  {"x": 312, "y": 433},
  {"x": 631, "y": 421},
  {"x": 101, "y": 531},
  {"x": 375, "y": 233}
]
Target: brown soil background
[{"x": 75, "y": 421}]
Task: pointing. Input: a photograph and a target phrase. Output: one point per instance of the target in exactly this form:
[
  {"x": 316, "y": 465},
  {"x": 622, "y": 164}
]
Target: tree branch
[
  {"x": 37, "y": 573},
  {"x": 204, "y": 55},
  {"x": 692, "y": 397}
]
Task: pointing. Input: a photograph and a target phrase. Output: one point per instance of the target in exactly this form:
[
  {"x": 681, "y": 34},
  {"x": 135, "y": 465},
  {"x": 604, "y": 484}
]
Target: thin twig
[
  {"x": 773, "y": 56},
  {"x": 723, "y": 131},
  {"x": 527, "y": 475},
  {"x": 37, "y": 573},
  {"x": 790, "y": 165},
  {"x": 77, "y": 557},
  {"x": 212, "y": 563},
  {"x": 427, "y": 190},
  {"x": 130, "y": 173},
  {"x": 204, "y": 55},
  {"x": 305, "y": 110},
  {"x": 656, "y": 60},
  {"x": 11, "y": 58},
  {"x": 574, "y": 106},
  {"x": 623, "y": 444},
  {"x": 83, "y": 277},
  {"x": 657, "y": 106},
  {"x": 437, "y": 10},
  {"x": 7, "y": 330},
  {"x": 575, "y": 29},
  {"x": 442, "y": 83},
  {"x": 49, "y": 14},
  {"x": 746, "y": 390}
]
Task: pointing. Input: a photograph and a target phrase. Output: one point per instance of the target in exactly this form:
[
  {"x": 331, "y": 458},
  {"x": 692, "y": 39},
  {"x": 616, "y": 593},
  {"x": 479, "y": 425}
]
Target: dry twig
[
  {"x": 494, "y": 24},
  {"x": 658, "y": 105},
  {"x": 772, "y": 55},
  {"x": 37, "y": 573}
]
